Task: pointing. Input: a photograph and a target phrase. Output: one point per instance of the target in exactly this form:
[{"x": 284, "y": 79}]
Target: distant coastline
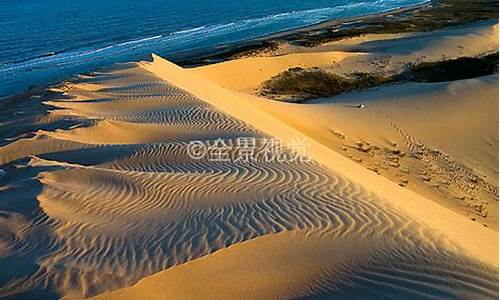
[
  {"x": 197, "y": 57},
  {"x": 425, "y": 16},
  {"x": 69, "y": 50}
]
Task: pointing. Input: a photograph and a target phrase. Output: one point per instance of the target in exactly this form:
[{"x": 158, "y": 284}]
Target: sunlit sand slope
[{"x": 101, "y": 194}]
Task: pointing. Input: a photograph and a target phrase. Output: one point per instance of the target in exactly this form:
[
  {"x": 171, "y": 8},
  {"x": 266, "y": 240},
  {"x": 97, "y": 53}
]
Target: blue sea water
[{"x": 43, "y": 41}]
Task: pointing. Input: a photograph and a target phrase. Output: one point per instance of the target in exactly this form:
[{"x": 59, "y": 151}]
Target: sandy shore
[{"x": 101, "y": 196}]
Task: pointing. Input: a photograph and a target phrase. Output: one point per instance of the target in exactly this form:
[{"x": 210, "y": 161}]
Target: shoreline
[
  {"x": 435, "y": 14},
  {"x": 225, "y": 52},
  {"x": 332, "y": 22},
  {"x": 193, "y": 58}
]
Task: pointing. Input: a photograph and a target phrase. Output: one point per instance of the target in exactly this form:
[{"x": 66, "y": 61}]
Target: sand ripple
[{"x": 101, "y": 206}]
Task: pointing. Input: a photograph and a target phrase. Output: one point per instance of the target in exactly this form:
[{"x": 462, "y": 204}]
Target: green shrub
[
  {"x": 452, "y": 69},
  {"x": 298, "y": 83}
]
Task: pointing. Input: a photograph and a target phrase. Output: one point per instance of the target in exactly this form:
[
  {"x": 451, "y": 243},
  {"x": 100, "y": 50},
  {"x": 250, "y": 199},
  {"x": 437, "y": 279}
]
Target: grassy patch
[
  {"x": 453, "y": 69},
  {"x": 297, "y": 84}
]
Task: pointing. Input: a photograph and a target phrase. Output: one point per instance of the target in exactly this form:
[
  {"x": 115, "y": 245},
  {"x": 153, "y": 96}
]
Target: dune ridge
[{"x": 458, "y": 228}]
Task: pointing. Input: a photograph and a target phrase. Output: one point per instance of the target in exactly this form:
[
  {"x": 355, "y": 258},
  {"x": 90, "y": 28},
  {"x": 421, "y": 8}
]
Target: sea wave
[
  {"x": 188, "y": 30},
  {"x": 140, "y": 40}
]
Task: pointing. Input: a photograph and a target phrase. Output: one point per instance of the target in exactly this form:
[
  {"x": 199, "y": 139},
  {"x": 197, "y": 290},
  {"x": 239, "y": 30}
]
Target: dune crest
[{"x": 458, "y": 228}]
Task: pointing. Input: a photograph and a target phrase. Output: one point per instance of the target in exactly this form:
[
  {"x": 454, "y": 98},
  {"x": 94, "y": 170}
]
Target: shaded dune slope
[{"x": 108, "y": 195}]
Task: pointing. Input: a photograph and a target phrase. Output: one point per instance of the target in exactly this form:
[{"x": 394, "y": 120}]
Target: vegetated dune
[
  {"x": 461, "y": 41},
  {"x": 235, "y": 74},
  {"x": 382, "y": 54},
  {"x": 101, "y": 198}
]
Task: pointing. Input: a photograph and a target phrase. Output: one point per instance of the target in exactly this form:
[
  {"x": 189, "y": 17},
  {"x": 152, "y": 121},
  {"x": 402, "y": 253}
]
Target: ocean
[{"x": 45, "y": 41}]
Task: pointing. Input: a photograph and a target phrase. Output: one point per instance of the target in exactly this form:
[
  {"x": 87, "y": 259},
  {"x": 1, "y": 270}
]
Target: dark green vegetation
[
  {"x": 453, "y": 69},
  {"x": 298, "y": 85}
]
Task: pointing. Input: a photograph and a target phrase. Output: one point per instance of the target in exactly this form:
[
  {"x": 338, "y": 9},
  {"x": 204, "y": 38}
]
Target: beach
[{"x": 355, "y": 167}]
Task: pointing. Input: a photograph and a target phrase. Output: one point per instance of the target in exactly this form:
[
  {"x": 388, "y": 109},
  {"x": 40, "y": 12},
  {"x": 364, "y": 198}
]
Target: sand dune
[
  {"x": 461, "y": 229},
  {"x": 113, "y": 213},
  {"x": 302, "y": 264},
  {"x": 234, "y": 74},
  {"x": 448, "y": 149},
  {"x": 385, "y": 54},
  {"x": 103, "y": 199},
  {"x": 432, "y": 152}
]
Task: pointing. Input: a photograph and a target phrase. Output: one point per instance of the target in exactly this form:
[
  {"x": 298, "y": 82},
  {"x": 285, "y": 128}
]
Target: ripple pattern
[{"x": 105, "y": 215}]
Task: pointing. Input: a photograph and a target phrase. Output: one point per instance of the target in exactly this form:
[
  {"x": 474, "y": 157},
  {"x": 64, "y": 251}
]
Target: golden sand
[{"x": 103, "y": 199}]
